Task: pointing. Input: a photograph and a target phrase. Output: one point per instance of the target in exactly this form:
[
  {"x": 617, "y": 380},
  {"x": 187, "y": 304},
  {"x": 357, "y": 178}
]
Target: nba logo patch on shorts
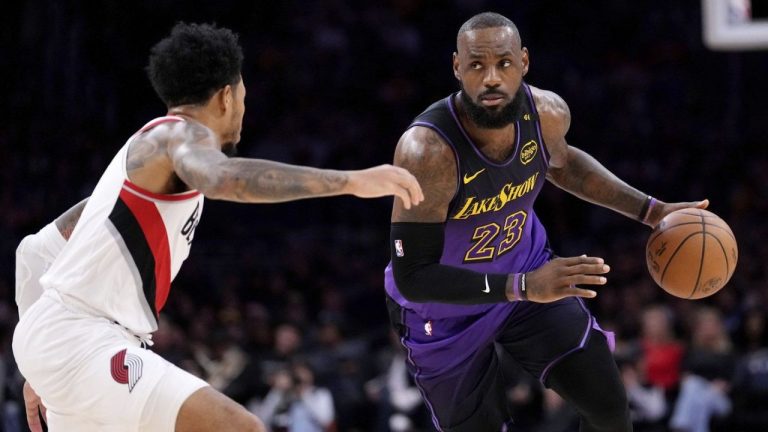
[{"x": 399, "y": 248}]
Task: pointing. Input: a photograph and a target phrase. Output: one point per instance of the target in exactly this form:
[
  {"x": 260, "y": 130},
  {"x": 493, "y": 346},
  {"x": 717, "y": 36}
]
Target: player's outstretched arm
[
  {"x": 578, "y": 173},
  {"x": 198, "y": 161}
]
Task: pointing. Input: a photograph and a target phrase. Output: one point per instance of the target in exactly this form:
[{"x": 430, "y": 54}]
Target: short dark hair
[
  {"x": 487, "y": 20},
  {"x": 194, "y": 62}
]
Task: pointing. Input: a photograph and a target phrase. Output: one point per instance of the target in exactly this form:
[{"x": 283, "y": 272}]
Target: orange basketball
[{"x": 692, "y": 253}]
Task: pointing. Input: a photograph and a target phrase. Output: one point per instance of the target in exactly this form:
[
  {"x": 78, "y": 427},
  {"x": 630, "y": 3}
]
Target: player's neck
[
  {"x": 200, "y": 114},
  {"x": 484, "y": 137},
  {"x": 192, "y": 112}
]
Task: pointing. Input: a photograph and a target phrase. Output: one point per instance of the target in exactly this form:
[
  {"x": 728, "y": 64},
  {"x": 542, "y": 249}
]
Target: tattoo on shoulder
[
  {"x": 195, "y": 132},
  {"x": 143, "y": 149},
  {"x": 424, "y": 153},
  {"x": 67, "y": 221}
]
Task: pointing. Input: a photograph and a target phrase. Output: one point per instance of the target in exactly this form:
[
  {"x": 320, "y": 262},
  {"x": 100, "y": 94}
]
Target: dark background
[{"x": 333, "y": 84}]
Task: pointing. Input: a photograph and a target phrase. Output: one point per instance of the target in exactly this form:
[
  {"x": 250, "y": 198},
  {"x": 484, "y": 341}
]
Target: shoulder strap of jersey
[
  {"x": 439, "y": 117},
  {"x": 533, "y": 119},
  {"x": 160, "y": 120}
]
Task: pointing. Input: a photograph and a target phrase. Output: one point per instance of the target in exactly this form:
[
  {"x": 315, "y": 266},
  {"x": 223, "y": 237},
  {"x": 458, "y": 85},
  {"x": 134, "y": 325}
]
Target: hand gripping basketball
[
  {"x": 692, "y": 253},
  {"x": 559, "y": 278}
]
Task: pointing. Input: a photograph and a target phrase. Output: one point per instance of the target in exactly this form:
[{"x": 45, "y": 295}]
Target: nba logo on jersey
[
  {"x": 399, "y": 248},
  {"x": 428, "y": 328}
]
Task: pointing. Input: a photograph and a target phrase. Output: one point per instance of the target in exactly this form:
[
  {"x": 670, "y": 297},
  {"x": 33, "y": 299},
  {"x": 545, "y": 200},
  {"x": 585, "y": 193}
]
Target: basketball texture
[{"x": 692, "y": 253}]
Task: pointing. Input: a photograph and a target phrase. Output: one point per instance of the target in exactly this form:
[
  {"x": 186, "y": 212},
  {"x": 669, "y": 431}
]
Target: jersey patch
[
  {"x": 528, "y": 152},
  {"x": 126, "y": 368}
]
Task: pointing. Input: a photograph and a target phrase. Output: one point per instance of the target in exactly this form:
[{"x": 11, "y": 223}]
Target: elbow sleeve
[{"x": 416, "y": 249}]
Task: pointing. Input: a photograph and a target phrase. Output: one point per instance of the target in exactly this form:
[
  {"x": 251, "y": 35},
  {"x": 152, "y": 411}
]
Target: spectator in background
[
  {"x": 295, "y": 404},
  {"x": 223, "y": 361},
  {"x": 750, "y": 385},
  {"x": 338, "y": 362},
  {"x": 647, "y": 402},
  {"x": 661, "y": 351},
  {"x": 399, "y": 402},
  {"x": 288, "y": 342},
  {"x": 708, "y": 367}
]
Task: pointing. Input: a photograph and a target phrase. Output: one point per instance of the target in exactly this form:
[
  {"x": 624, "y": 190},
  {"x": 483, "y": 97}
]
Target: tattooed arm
[
  {"x": 199, "y": 162},
  {"x": 67, "y": 221},
  {"x": 575, "y": 171},
  {"x": 422, "y": 152}
]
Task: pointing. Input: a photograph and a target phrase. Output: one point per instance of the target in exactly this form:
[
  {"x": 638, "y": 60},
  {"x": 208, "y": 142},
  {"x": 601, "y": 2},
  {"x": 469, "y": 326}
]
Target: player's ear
[
  {"x": 229, "y": 96},
  {"x": 224, "y": 98},
  {"x": 526, "y": 60},
  {"x": 456, "y": 66}
]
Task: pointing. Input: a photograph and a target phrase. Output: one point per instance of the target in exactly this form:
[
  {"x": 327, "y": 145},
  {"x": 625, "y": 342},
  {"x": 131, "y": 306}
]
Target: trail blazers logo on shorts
[{"x": 126, "y": 368}]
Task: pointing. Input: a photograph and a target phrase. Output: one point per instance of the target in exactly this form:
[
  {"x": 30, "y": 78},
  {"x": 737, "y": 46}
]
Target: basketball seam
[
  {"x": 725, "y": 254},
  {"x": 701, "y": 259},
  {"x": 698, "y": 214},
  {"x": 677, "y": 249},
  {"x": 654, "y": 237}
]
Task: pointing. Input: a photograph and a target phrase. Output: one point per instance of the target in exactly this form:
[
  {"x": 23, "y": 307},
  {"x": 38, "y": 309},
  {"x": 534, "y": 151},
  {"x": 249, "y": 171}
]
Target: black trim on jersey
[{"x": 126, "y": 224}]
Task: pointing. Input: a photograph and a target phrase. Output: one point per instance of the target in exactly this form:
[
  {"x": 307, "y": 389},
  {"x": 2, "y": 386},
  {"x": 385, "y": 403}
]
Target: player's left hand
[
  {"x": 34, "y": 406},
  {"x": 662, "y": 209}
]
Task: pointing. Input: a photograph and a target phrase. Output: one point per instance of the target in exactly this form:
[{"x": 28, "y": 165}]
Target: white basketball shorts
[{"x": 93, "y": 375}]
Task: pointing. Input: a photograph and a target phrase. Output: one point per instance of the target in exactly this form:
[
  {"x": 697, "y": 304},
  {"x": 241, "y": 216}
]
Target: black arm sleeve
[{"x": 416, "y": 249}]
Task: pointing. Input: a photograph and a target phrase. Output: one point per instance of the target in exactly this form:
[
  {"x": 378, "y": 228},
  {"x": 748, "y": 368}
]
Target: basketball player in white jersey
[{"x": 81, "y": 345}]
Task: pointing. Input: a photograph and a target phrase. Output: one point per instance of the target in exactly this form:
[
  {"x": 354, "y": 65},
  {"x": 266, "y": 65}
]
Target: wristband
[
  {"x": 648, "y": 212},
  {"x": 644, "y": 208},
  {"x": 518, "y": 287},
  {"x": 523, "y": 291}
]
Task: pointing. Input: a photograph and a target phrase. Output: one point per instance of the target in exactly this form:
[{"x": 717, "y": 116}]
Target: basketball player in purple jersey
[
  {"x": 470, "y": 266},
  {"x": 84, "y": 325}
]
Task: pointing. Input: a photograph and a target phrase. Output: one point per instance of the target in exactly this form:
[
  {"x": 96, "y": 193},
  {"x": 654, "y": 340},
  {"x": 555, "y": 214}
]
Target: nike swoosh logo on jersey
[
  {"x": 487, "y": 287},
  {"x": 469, "y": 178}
]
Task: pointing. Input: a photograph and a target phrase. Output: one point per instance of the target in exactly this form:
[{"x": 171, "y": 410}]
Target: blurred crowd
[{"x": 282, "y": 306}]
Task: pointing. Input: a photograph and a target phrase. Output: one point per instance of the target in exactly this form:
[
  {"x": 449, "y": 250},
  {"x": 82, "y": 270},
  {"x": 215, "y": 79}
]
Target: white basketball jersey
[{"x": 126, "y": 248}]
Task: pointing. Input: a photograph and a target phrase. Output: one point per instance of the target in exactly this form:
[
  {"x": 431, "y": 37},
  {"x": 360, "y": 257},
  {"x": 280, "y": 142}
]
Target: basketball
[{"x": 692, "y": 253}]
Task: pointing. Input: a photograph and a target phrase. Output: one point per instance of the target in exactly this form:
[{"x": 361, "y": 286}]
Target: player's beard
[{"x": 494, "y": 117}]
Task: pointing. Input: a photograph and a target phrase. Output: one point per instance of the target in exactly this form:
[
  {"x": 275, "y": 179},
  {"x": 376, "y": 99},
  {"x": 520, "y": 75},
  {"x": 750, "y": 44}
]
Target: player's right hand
[
  {"x": 386, "y": 180},
  {"x": 559, "y": 278},
  {"x": 33, "y": 406}
]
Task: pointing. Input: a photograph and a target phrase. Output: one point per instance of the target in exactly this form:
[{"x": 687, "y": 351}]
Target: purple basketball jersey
[{"x": 491, "y": 225}]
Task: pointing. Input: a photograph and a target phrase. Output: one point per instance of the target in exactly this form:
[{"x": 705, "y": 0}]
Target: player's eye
[
  {"x": 475, "y": 65},
  {"x": 506, "y": 63}
]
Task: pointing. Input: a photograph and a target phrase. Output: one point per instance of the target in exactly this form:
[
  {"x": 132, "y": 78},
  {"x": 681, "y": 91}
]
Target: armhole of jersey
[
  {"x": 124, "y": 168},
  {"x": 538, "y": 124},
  {"x": 450, "y": 144}
]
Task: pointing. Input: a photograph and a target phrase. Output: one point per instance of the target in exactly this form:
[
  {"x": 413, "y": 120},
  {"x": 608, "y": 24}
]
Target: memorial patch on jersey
[
  {"x": 126, "y": 368},
  {"x": 528, "y": 152}
]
